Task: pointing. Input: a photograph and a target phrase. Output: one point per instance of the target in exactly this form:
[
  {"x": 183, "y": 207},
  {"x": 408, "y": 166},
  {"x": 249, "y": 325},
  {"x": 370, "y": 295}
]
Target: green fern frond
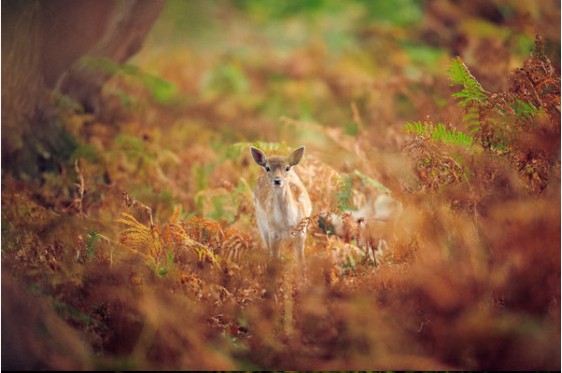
[
  {"x": 438, "y": 133},
  {"x": 472, "y": 119},
  {"x": 472, "y": 90},
  {"x": 91, "y": 240},
  {"x": 524, "y": 109},
  {"x": 345, "y": 193},
  {"x": 417, "y": 128},
  {"x": 441, "y": 133}
]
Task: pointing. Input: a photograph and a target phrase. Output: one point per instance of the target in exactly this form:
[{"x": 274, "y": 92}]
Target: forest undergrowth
[{"x": 142, "y": 251}]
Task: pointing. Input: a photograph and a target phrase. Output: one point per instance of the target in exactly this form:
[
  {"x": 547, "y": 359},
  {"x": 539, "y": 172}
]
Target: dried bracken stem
[
  {"x": 356, "y": 116},
  {"x": 78, "y": 201},
  {"x": 131, "y": 202}
]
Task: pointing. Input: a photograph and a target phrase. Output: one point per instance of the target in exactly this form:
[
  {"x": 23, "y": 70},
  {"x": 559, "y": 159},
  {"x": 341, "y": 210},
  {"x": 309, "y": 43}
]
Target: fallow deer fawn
[{"x": 281, "y": 202}]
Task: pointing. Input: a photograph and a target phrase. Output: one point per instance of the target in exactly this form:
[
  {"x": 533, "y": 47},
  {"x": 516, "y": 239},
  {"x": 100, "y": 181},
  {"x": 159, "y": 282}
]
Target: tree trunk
[
  {"x": 127, "y": 26},
  {"x": 45, "y": 45}
]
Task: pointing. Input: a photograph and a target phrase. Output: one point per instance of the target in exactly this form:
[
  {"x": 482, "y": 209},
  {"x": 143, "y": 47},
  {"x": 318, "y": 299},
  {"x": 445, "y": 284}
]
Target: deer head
[{"x": 277, "y": 168}]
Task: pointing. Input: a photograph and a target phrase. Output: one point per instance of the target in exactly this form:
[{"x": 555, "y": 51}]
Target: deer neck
[
  {"x": 286, "y": 205},
  {"x": 283, "y": 195}
]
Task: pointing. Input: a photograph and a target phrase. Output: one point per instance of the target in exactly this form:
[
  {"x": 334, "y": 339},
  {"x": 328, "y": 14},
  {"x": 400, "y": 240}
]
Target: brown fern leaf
[
  {"x": 302, "y": 226},
  {"x": 206, "y": 232},
  {"x": 154, "y": 241},
  {"x": 173, "y": 235},
  {"x": 175, "y": 215},
  {"x": 235, "y": 247},
  {"x": 193, "y": 284},
  {"x": 433, "y": 167},
  {"x": 537, "y": 82}
]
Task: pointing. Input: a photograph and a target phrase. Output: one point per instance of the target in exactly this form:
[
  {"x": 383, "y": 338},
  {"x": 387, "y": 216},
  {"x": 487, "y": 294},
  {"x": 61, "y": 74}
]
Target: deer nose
[{"x": 276, "y": 181}]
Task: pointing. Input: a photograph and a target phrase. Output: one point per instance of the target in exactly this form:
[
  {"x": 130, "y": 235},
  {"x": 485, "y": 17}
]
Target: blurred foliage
[
  {"x": 161, "y": 90},
  {"x": 140, "y": 252}
]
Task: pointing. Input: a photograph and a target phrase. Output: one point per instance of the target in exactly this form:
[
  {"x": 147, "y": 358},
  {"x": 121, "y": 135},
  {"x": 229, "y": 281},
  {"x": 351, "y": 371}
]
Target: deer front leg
[
  {"x": 299, "y": 254},
  {"x": 274, "y": 246}
]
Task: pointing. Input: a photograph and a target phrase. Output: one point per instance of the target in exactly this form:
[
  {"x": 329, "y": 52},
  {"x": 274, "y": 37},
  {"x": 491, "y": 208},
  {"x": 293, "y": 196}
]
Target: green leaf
[
  {"x": 93, "y": 237},
  {"x": 345, "y": 193},
  {"x": 472, "y": 91},
  {"x": 524, "y": 109},
  {"x": 439, "y": 133}
]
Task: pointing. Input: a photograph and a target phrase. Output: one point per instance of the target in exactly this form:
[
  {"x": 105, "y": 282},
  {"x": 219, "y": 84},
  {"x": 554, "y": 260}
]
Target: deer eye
[
  {"x": 267, "y": 168},
  {"x": 287, "y": 168}
]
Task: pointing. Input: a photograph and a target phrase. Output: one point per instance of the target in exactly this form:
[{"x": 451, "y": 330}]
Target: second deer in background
[{"x": 282, "y": 203}]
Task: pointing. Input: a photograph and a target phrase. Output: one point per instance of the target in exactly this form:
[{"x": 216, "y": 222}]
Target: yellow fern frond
[
  {"x": 132, "y": 222},
  {"x": 139, "y": 237},
  {"x": 203, "y": 252}
]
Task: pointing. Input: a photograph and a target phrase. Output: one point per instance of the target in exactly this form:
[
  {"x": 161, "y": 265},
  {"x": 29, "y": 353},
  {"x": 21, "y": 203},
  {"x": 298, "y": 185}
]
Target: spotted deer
[{"x": 281, "y": 202}]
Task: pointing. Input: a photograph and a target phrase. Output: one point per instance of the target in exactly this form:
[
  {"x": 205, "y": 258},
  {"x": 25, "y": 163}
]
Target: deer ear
[
  {"x": 296, "y": 156},
  {"x": 258, "y": 156}
]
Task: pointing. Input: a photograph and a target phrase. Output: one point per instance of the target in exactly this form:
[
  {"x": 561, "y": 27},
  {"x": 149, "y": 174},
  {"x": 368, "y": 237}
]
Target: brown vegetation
[{"x": 141, "y": 251}]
